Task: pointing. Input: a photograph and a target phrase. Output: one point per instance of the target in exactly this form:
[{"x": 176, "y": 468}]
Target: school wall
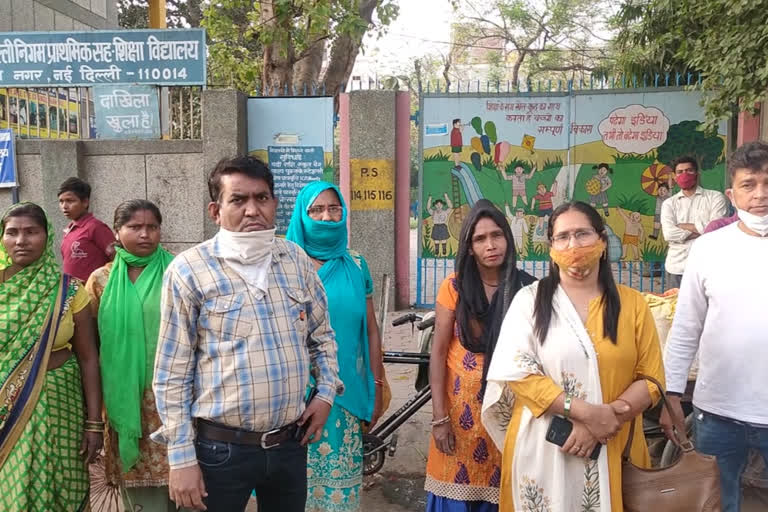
[
  {"x": 171, "y": 173},
  {"x": 42, "y": 15}
]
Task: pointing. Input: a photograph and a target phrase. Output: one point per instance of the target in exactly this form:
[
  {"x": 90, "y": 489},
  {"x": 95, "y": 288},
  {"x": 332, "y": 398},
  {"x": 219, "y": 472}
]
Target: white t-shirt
[{"x": 722, "y": 311}]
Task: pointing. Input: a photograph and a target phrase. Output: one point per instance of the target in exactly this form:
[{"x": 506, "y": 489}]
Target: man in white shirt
[
  {"x": 721, "y": 313},
  {"x": 685, "y": 215}
]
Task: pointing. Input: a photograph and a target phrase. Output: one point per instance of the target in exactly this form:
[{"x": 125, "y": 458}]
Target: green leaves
[{"x": 724, "y": 40}]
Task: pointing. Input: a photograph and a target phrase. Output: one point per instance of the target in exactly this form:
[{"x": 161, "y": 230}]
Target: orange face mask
[{"x": 578, "y": 259}]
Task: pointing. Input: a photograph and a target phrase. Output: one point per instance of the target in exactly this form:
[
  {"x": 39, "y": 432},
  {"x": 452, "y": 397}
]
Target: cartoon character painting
[
  {"x": 634, "y": 233},
  {"x": 518, "y": 179},
  {"x": 457, "y": 143},
  {"x": 519, "y": 226},
  {"x": 441, "y": 212},
  {"x": 598, "y": 185},
  {"x": 661, "y": 195}
]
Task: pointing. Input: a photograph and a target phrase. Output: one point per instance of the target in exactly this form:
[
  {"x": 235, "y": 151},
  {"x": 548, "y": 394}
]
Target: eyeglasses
[
  {"x": 332, "y": 209},
  {"x": 581, "y": 236}
]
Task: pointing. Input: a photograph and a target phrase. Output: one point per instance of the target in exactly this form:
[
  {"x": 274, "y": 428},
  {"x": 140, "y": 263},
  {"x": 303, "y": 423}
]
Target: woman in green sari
[
  {"x": 125, "y": 297},
  {"x": 47, "y": 434},
  {"x": 335, "y": 463}
]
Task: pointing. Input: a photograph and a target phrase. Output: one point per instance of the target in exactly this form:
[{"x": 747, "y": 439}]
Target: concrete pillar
[
  {"x": 59, "y": 160},
  {"x": 372, "y": 181},
  {"x": 748, "y": 128},
  {"x": 403, "y": 202},
  {"x": 225, "y": 135}
]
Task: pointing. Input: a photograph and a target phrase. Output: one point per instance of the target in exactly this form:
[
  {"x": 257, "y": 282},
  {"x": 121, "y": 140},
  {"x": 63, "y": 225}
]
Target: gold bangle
[
  {"x": 93, "y": 429},
  {"x": 441, "y": 421},
  {"x": 94, "y": 424},
  {"x": 378, "y": 382}
]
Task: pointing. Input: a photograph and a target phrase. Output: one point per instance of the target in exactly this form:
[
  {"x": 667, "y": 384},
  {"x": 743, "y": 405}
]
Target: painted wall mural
[{"x": 611, "y": 149}]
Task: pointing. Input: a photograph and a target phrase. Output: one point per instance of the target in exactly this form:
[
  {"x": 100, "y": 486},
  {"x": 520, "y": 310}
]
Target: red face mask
[{"x": 686, "y": 181}]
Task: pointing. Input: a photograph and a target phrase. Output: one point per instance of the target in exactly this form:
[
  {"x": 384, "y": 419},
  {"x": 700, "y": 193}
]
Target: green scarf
[{"x": 129, "y": 322}]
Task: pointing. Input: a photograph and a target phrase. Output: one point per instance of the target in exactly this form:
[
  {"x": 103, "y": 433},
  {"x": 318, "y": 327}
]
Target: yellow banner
[{"x": 372, "y": 184}]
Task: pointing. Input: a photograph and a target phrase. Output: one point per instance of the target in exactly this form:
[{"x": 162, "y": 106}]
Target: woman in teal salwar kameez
[{"x": 335, "y": 462}]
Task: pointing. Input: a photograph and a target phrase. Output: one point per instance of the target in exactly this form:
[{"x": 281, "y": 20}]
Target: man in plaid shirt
[{"x": 244, "y": 323}]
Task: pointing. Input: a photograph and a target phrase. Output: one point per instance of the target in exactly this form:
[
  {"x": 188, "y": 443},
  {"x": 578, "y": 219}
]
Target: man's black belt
[{"x": 225, "y": 434}]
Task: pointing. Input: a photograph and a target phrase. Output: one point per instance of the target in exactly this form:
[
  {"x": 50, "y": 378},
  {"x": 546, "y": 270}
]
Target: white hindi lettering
[
  {"x": 63, "y": 75},
  {"x": 26, "y": 75},
  {"x": 172, "y": 50},
  {"x": 110, "y": 74},
  {"x": 128, "y": 51},
  {"x": 3, "y": 153},
  {"x": 124, "y": 99}
]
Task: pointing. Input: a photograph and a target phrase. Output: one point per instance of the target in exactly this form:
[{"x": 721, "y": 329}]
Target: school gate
[{"x": 529, "y": 152}]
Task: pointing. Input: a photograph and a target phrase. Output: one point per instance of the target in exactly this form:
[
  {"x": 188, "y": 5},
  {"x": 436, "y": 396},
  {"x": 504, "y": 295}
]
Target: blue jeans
[
  {"x": 730, "y": 442},
  {"x": 231, "y": 471}
]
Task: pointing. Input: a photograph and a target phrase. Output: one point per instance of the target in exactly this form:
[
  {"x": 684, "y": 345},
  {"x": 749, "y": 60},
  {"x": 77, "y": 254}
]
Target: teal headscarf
[{"x": 345, "y": 287}]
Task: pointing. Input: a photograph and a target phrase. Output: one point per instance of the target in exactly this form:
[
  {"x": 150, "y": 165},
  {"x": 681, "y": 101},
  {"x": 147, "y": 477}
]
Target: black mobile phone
[
  {"x": 302, "y": 429},
  {"x": 560, "y": 429}
]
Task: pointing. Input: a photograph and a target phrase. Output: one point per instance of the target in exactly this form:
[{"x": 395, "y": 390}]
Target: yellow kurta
[{"x": 637, "y": 351}]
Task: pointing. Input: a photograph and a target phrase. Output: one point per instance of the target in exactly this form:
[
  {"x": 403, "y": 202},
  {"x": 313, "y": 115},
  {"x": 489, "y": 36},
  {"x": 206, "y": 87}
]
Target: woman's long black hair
[
  {"x": 479, "y": 321},
  {"x": 547, "y": 286}
]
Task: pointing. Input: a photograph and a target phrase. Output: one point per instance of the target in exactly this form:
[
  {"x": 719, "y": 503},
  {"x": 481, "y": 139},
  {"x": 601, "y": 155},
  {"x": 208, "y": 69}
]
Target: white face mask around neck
[
  {"x": 757, "y": 224},
  {"x": 248, "y": 248}
]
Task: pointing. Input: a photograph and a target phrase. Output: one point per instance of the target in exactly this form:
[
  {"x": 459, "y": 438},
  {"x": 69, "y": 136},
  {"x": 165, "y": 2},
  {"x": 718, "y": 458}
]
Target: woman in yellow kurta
[{"x": 574, "y": 345}]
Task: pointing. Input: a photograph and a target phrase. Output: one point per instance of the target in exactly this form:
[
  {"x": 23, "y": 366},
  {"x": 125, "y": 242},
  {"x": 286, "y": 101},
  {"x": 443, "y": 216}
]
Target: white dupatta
[{"x": 544, "y": 478}]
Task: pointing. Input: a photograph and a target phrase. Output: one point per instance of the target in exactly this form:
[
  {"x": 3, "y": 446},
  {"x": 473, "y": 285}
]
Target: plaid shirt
[{"x": 227, "y": 356}]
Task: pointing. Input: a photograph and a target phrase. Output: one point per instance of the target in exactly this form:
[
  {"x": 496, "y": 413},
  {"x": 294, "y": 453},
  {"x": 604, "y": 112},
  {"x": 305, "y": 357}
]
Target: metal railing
[{"x": 643, "y": 276}]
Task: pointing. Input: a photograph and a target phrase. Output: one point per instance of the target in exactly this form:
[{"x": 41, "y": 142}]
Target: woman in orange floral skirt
[{"x": 464, "y": 467}]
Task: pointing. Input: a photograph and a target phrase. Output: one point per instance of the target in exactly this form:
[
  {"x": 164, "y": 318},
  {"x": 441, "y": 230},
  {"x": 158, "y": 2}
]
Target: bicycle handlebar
[{"x": 409, "y": 317}]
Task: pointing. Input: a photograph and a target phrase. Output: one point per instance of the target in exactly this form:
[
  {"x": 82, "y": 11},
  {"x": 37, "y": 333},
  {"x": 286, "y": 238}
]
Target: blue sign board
[
  {"x": 7, "y": 159},
  {"x": 292, "y": 168},
  {"x": 126, "y": 112},
  {"x": 68, "y": 59}
]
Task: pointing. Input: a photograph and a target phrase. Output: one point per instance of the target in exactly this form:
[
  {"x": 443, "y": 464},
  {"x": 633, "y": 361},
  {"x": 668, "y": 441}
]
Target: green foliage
[
  {"x": 640, "y": 202},
  {"x": 490, "y": 130},
  {"x": 297, "y": 33},
  {"x": 725, "y": 40},
  {"x": 651, "y": 252},
  {"x": 437, "y": 157},
  {"x": 688, "y": 138},
  {"x": 236, "y": 54},
  {"x": 557, "y": 162},
  {"x": 477, "y": 124},
  {"x": 633, "y": 158},
  {"x": 488, "y": 162}
]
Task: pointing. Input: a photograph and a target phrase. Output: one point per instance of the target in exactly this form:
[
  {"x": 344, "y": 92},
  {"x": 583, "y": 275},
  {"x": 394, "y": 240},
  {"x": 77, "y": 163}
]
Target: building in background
[{"x": 41, "y": 15}]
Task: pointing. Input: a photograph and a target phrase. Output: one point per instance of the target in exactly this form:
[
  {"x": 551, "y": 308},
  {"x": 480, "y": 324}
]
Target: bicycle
[{"x": 382, "y": 440}]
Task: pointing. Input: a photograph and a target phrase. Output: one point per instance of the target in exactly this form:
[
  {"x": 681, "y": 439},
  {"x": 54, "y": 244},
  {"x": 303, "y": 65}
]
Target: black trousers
[{"x": 231, "y": 471}]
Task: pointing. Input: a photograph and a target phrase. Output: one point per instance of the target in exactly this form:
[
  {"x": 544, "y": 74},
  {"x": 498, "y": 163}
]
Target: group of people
[
  {"x": 201, "y": 378},
  {"x": 513, "y": 357},
  {"x": 252, "y": 363}
]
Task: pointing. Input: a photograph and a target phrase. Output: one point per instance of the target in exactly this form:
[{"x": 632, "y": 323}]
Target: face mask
[
  {"x": 248, "y": 248},
  {"x": 757, "y": 224},
  {"x": 578, "y": 261},
  {"x": 686, "y": 181}
]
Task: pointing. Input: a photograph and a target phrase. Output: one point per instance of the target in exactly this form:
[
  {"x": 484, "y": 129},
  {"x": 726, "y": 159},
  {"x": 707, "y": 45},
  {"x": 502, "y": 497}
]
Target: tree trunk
[
  {"x": 343, "y": 54},
  {"x": 306, "y": 72},
  {"x": 279, "y": 54},
  {"x": 516, "y": 68}
]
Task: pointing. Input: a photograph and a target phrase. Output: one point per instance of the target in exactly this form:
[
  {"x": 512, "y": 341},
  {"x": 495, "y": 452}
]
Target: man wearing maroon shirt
[{"x": 88, "y": 242}]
